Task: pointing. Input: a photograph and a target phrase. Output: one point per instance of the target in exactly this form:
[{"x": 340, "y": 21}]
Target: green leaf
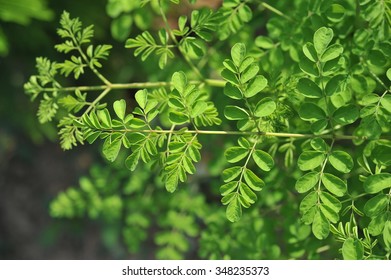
[
  {"x": 309, "y": 201},
  {"x": 352, "y": 249},
  {"x": 249, "y": 73},
  {"x": 132, "y": 160},
  {"x": 335, "y": 85},
  {"x": 142, "y": 98},
  {"x": 120, "y": 108},
  {"x": 247, "y": 193},
  {"x": 320, "y": 226},
  {"x": 235, "y": 113},
  {"x": 310, "y": 52},
  {"x": 386, "y": 102},
  {"x": 346, "y": 115},
  {"x": 376, "y": 226},
  {"x": 310, "y": 159},
  {"x": 179, "y": 81},
  {"x": 309, "y": 88},
  {"x": 322, "y": 39},
  {"x": 318, "y": 144},
  {"x": 309, "y": 67},
  {"x": 228, "y": 198},
  {"x": 228, "y": 188},
  {"x": 377, "y": 182},
  {"x": 111, "y": 148},
  {"x": 332, "y": 52},
  {"x": 198, "y": 108},
  {"x": 255, "y": 86},
  {"x": 334, "y": 184},
  {"x": 330, "y": 201},
  {"x": 238, "y": 52},
  {"x": 265, "y": 107},
  {"x": 329, "y": 213},
  {"x": 172, "y": 181},
  {"x": 235, "y": 154},
  {"x": 341, "y": 161},
  {"x": 253, "y": 181},
  {"x": 387, "y": 234},
  {"x": 335, "y": 12},
  {"x": 307, "y": 181},
  {"x": 264, "y": 42},
  {"x": 376, "y": 205},
  {"x": 231, "y": 173},
  {"x": 232, "y": 91},
  {"x": 234, "y": 210},
  {"x": 263, "y": 160},
  {"x": 311, "y": 112},
  {"x": 178, "y": 118}
]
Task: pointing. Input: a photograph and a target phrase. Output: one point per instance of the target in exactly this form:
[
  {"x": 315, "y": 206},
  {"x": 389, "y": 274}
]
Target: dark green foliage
[{"x": 294, "y": 122}]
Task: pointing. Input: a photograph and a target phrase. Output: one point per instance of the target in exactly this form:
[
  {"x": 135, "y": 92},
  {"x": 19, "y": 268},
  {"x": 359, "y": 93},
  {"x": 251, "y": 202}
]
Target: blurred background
[{"x": 33, "y": 168}]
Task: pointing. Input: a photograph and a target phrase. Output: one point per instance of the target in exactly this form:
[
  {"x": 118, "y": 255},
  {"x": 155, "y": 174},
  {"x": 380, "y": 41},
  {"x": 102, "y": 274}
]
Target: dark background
[{"x": 33, "y": 168}]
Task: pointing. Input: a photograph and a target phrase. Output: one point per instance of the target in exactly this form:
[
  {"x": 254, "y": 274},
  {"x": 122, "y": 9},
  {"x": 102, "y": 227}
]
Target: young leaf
[
  {"x": 341, "y": 161},
  {"x": 238, "y": 53},
  {"x": 179, "y": 81},
  {"x": 263, "y": 160},
  {"x": 332, "y": 52},
  {"x": 120, "y": 108},
  {"x": 322, "y": 39},
  {"x": 141, "y": 97}
]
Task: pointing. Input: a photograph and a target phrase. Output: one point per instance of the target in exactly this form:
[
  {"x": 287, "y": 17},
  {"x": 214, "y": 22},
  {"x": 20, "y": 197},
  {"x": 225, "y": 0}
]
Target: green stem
[
  {"x": 209, "y": 82},
  {"x": 100, "y": 97},
  {"x": 276, "y": 11},
  {"x": 244, "y": 133}
]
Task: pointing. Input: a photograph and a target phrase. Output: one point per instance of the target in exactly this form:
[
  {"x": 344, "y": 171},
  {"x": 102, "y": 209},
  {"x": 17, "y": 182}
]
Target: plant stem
[
  {"x": 100, "y": 97},
  {"x": 209, "y": 82},
  {"x": 222, "y": 132},
  {"x": 276, "y": 11}
]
